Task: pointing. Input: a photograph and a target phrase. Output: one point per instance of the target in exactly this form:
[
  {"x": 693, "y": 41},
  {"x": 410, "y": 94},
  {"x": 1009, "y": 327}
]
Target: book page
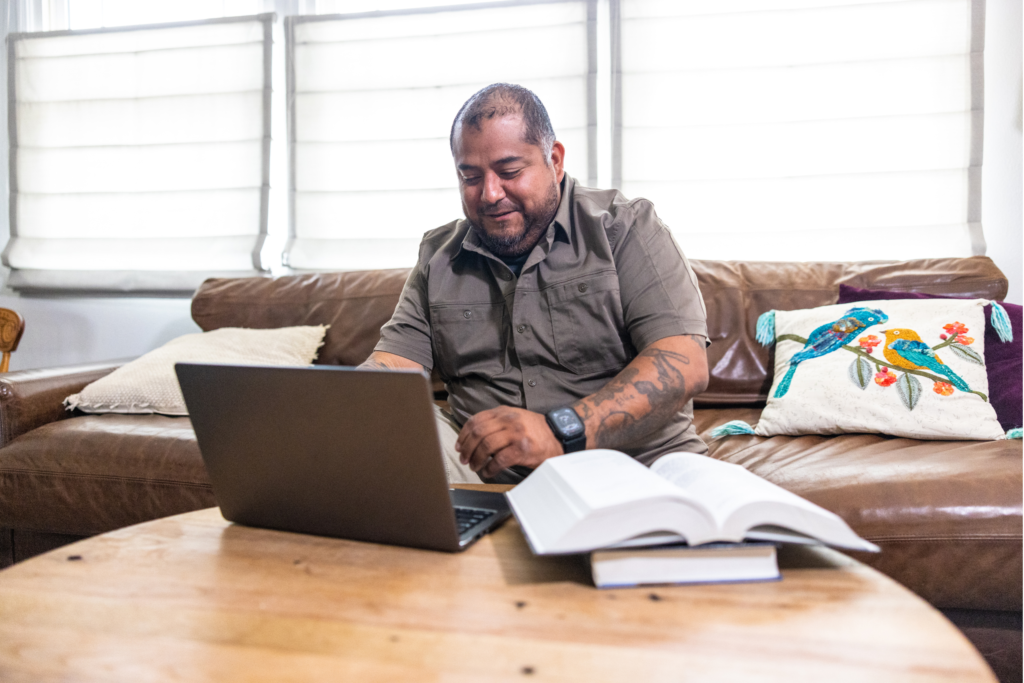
[
  {"x": 747, "y": 505},
  {"x": 592, "y": 499},
  {"x": 605, "y": 478},
  {"x": 723, "y": 487}
]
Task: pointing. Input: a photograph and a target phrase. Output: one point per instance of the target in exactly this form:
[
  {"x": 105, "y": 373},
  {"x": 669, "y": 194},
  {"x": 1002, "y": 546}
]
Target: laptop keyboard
[{"x": 467, "y": 518}]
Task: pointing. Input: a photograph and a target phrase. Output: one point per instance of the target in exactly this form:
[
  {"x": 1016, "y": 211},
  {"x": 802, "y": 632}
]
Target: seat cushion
[
  {"x": 94, "y": 473},
  {"x": 947, "y": 514}
]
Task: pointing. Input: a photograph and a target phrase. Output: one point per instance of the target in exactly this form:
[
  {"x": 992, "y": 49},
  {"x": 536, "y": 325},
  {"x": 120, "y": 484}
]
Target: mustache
[{"x": 498, "y": 208}]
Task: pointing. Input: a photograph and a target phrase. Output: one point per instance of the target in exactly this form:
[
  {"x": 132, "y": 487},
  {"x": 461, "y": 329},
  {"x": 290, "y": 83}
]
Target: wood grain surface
[{"x": 196, "y": 598}]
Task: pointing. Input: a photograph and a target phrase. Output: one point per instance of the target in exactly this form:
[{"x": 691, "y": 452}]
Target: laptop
[{"x": 332, "y": 451}]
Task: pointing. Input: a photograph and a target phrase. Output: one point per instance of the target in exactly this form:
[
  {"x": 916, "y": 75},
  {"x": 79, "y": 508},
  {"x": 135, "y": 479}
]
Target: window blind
[
  {"x": 803, "y": 129},
  {"x": 371, "y": 101},
  {"x": 139, "y": 156}
]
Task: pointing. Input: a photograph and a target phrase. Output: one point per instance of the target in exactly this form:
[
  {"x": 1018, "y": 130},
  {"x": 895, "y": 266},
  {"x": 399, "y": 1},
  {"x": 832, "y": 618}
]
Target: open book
[{"x": 602, "y": 499}]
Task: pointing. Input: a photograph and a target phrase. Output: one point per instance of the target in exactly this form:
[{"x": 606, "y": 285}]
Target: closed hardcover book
[{"x": 675, "y": 564}]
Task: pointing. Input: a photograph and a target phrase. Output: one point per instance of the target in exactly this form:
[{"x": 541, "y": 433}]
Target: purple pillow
[{"x": 1002, "y": 359}]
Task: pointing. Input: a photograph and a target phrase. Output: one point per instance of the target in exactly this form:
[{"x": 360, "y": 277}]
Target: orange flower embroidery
[
  {"x": 869, "y": 342},
  {"x": 964, "y": 339},
  {"x": 942, "y": 388},
  {"x": 885, "y": 378},
  {"x": 955, "y": 328}
]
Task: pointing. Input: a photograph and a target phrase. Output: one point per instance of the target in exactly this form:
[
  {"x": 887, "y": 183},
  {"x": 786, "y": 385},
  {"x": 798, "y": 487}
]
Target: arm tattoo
[{"x": 628, "y": 421}]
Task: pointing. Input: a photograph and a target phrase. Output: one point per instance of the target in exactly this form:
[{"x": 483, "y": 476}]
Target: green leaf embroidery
[
  {"x": 860, "y": 372},
  {"x": 909, "y": 389},
  {"x": 967, "y": 353}
]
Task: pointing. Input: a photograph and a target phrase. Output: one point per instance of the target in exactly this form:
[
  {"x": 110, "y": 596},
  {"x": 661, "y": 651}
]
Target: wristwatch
[{"x": 568, "y": 428}]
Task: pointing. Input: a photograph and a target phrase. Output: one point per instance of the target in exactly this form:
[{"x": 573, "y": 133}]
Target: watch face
[{"x": 567, "y": 422}]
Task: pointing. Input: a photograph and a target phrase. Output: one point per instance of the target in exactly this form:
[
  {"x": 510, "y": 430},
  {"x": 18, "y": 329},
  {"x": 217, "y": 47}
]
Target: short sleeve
[
  {"x": 407, "y": 334},
  {"x": 659, "y": 291}
]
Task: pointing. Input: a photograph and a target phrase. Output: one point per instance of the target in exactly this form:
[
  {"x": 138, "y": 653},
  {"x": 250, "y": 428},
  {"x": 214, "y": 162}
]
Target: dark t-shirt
[
  {"x": 605, "y": 280},
  {"x": 515, "y": 263}
]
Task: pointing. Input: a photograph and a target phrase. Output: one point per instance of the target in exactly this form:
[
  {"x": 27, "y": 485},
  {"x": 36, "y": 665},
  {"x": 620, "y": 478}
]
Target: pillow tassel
[
  {"x": 766, "y": 328},
  {"x": 1001, "y": 322},
  {"x": 1013, "y": 433},
  {"x": 733, "y": 428}
]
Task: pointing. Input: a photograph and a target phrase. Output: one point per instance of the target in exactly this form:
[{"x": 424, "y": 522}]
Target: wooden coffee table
[{"x": 196, "y": 598}]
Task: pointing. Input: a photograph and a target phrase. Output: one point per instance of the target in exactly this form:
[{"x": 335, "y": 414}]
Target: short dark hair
[{"x": 504, "y": 99}]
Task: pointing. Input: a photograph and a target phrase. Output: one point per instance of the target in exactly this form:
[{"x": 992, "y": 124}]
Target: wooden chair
[{"x": 12, "y": 326}]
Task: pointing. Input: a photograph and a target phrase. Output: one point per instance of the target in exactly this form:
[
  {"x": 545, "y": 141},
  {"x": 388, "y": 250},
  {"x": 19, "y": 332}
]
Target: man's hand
[{"x": 496, "y": 439}]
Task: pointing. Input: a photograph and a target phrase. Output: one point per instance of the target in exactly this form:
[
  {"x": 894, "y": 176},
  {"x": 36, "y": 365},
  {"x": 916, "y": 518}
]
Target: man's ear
[{"x": 558, "y": 159}]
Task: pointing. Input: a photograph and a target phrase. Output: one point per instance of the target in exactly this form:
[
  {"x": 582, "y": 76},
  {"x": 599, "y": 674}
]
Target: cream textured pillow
[
  {"x": 911, "y": 368},
  {"x": 148, "y": 383}
]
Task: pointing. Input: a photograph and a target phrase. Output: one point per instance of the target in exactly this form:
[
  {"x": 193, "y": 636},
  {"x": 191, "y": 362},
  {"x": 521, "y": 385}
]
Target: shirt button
[
  {"x": 506, "y": 276},
  {"x": 521, "y": 328},
  {"x": 532, "y": 382},
  {"x": 583, "y": 286},
  {"x": 467, "y": 314}
]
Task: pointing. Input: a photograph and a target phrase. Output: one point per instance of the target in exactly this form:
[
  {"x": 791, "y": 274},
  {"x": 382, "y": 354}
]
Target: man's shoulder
[
  {"x": 614, "y": 212},
  {"x": 443, "y": 242}
]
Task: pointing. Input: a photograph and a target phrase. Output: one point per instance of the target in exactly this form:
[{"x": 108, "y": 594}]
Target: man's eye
[
  {"x": 471, "y": 180},
  {"x": 510, "y": 174}
]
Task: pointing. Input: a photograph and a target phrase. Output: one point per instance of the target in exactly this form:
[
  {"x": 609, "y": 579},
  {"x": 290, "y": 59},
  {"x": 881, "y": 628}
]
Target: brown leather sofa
[{"x": 947, "y": 515}]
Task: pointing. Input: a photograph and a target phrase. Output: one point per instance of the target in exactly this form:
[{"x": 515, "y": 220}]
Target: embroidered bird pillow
[{"x": 912, "y": 368}]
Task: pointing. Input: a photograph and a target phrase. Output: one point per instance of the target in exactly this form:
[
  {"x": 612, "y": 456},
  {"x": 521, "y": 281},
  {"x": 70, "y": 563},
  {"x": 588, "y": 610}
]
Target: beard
[{"x": 509, "y": 244}]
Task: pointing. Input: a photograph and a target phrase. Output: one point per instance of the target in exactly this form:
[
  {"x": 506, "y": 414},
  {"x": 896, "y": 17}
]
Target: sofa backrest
[
  {"x": 737, "y": 292},
  {"x": 357, "y": 304},
  {"x": 354, "y": 304}
]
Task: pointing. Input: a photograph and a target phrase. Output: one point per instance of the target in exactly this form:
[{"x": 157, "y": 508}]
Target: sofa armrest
[{"x": 32, "y": 398}]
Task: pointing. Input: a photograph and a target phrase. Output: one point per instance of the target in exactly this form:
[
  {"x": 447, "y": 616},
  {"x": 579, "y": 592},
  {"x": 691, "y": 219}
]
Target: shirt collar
[{"x": 561, "y": 224}]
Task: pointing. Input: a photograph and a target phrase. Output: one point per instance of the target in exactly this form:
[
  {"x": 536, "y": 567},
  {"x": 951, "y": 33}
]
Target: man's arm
[
  {"x": 638, "y": 401},
  {"x": 647, "y": 393},
  {"x": 382, "y": 360}
]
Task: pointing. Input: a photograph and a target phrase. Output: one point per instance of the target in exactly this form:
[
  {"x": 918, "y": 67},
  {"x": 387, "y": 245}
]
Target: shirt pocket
[
  {"x": 468, "y": 339},
  {"x": 587, "y": 325}
]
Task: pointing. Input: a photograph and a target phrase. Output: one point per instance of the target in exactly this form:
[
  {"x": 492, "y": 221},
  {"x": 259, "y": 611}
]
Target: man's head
[{"x": 509, "y": 166}]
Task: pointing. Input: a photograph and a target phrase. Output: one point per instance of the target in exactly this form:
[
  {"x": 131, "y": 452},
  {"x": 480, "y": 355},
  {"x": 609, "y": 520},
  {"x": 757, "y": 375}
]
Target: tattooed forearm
[
  {"x": 646, "y": 394},
  {"x": 380, "y": 360},
  {"x": 619, "y": 386}
]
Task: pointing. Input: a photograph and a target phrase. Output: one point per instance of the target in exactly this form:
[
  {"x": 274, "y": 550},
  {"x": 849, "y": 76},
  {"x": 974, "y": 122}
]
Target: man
[{"x": 559, "y": 317}]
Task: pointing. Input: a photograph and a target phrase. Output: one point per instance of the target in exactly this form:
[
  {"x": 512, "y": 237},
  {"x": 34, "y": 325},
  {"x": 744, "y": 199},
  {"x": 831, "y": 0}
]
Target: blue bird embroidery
[
  {"x": 830, "y": 337},
  {"x": 904, "y": 349}
]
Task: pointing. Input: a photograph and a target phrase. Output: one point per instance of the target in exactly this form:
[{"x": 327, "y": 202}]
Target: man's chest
[{"x": 554, "y": 317}]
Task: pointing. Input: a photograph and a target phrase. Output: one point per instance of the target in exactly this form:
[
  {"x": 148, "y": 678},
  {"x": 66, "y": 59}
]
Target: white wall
[
  {"x": 1002, "y": 180},
  {"x": 67, "y": 330}
]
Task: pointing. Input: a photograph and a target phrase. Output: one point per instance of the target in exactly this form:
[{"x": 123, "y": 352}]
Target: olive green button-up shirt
[{"x": 606, "y": 280}]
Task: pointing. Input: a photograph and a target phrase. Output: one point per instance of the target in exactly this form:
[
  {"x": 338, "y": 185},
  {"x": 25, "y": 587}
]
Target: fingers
[
  {"x": 503, "y": 459},
  {"x": 476, "y": 429},
  {"x": 489, "y": 447}
]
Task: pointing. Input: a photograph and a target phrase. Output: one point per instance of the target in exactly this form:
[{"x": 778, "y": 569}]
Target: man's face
[{"x": 510, "y": 192}]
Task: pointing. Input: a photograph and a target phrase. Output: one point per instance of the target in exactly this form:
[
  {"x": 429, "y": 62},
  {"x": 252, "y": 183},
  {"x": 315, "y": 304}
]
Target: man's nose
[{"x": 493, "y": 190}]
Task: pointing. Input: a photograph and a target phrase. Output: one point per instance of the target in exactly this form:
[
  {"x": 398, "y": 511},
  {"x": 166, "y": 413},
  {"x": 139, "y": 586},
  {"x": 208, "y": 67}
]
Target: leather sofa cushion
[
  {"x": 94, "y": 473},
  {"x": 947, "y": 514}
]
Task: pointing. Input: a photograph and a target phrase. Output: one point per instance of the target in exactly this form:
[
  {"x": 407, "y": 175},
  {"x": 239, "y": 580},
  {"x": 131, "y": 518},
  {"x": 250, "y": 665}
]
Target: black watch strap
[{"x": 568, "y": 429}]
